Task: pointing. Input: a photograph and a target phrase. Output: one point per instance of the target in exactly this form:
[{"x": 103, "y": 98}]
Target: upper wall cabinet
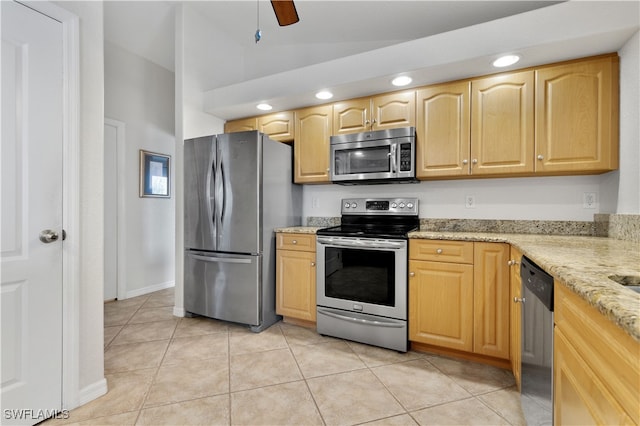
[
  {"x": 279, "y": 125},
  {"x": 242, "y": 125},
  {"x": 442, "y": 130},
  {"x": 577, "y": 116},
  {"x": 311, "y": 147},
  {"x": 502, "y": 124},
  {"x": 377, "y": 113}
]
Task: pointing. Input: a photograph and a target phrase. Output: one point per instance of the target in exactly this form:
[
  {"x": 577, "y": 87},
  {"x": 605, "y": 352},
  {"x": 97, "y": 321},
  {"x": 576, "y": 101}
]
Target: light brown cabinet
[
  {"x": 441, "y": 294},
  {"x": 577, "y": 116},
  {"x": 241, "y": 125},
  {"x": 443, "y": 132},
  {"x": 515, "y": 324},
  {"x": 311, "y": 147},
  {"x": 279, "y": 126},
  {"x": 386, "y": 111},
  {"x": 459, "y": 296},
  {"x": 595, "y": 366},
  {"x": 296, "y": 276},
  {"x": 491, "y": 299},
  {"x": 502, "y": 124}
]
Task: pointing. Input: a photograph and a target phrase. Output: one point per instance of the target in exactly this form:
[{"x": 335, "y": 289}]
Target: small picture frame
[{"x": 155, "y": 175}]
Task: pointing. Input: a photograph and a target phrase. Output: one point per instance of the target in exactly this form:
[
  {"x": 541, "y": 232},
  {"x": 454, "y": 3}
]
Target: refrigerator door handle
[
  {"x": 209, "y": 195},
  {"x": 219, "y": 259},
  {"x": 219, "y": 182},
  {"x": 224, "y": 193}
]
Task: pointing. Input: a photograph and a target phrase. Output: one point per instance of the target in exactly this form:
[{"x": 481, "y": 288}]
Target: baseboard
[
  {"x": 93, "y": 391},
  {"x": 149, "y": 289}
]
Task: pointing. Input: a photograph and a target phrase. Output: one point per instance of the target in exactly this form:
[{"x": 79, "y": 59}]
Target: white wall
[
  {"x": 141, "y": 94},
  {"x": 544, "y": 198},
  {"x": 90, "y": 326},
  {"x": 629, "y": 173}
]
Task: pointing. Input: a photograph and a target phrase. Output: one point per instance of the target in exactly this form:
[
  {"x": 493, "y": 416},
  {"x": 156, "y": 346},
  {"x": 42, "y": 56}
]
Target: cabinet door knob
[
  {"x": 313, "y": 263},
  {"x": 439, "y": 251},
  {"x": 412, "y": 274},
  {"x": 465, "y": 161},
  {"x": 294, "y": 242},
  {"x": 540, "y": 157},
  {"x": 474, "y": 161}
]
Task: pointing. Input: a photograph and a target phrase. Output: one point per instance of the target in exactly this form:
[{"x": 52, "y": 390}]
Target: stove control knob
[
  {"x": 354, "y": 205},
  {"x": 347, "y": 205},
  {"x": 410, "y": 205},
  {"x": 402, "y": 205},
  {"x": 394, "y": 205}
]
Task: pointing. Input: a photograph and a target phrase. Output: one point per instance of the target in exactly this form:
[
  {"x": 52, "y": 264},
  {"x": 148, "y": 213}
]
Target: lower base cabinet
[
  {"x": 459, "y": 296},
  {"x": 596, "y": 370},
  {"x": 296, "y": 276}
]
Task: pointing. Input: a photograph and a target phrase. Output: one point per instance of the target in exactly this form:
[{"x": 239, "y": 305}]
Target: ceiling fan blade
[{"x": 285, "y": 11}]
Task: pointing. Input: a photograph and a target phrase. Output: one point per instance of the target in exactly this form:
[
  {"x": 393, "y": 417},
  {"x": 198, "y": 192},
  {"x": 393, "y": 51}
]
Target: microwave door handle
[{"x": 394, "y": 159}]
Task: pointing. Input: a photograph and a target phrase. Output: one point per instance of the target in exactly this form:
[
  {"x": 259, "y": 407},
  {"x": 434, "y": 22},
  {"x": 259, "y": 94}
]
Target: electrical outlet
[
  {"x": 589, "y": 200},
  {"x": 470, "y": 201}
]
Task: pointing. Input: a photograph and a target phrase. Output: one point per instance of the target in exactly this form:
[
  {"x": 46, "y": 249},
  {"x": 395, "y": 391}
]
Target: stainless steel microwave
[{"x": 383, "y": 156}]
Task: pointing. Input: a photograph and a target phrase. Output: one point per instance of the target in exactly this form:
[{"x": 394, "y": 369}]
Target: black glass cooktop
[{"x": 372, "y": 230}]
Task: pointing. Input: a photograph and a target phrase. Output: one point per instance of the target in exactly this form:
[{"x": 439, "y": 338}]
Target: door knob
[{"x": 48, "y": 236}]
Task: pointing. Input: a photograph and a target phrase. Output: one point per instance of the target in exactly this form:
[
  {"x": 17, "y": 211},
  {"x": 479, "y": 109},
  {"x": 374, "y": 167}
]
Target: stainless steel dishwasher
[{"x": 537, "y": 344}]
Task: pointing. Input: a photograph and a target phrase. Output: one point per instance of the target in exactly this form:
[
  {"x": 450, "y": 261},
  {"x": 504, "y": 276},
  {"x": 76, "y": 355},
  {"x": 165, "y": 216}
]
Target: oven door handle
[
  {"x": 361, "y": 320},
  {"x": 394, "y": 245}
]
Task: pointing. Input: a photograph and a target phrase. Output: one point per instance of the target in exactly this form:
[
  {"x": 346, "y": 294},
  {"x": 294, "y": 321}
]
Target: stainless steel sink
[{"x": 630, "y": 281}]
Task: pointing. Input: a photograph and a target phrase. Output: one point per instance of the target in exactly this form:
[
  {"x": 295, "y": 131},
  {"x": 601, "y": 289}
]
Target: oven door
[
  {"x": 363, "y": 275},
  {"x": 364, "y": 160}
]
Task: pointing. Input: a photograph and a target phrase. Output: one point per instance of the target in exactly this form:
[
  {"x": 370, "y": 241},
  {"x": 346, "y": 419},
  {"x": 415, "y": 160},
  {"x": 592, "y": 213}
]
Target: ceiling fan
[{"x": 285, "y": 11}]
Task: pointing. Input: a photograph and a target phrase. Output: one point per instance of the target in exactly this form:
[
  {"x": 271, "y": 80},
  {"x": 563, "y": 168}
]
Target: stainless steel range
[{"x": 362, "y": 272}]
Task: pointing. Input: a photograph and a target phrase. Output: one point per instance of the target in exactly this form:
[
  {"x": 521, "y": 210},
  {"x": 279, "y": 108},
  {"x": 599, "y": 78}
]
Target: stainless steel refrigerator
[{"x": 238, "y": 188}]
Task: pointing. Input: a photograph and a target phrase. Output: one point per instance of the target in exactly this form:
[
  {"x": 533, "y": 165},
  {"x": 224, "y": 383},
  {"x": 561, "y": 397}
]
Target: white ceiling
[{"x": 333, "y": 38}]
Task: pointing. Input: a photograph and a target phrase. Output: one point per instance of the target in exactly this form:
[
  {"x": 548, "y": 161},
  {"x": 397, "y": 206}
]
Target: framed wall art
[{"x": 154, "y": 175}]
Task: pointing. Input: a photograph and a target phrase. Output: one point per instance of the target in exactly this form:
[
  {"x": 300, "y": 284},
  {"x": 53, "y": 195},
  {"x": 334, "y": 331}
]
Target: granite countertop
[
  {"x": 583, "y": 264},
  {"x": 299, "y": 229}
]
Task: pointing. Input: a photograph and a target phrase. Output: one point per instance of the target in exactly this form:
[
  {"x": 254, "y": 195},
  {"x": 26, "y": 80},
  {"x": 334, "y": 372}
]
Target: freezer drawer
[{"x": 223, "y": 286}]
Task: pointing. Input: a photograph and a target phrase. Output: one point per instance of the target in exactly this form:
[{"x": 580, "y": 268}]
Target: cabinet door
[
  {"x": 351, "y": 116},
  {"x": 242, "y": 125},
  {"x": 491, "y": 299},
  {"x": 311, "y": 147},
  {"x": 443, "y": 130},
  {"x": 577, "y": 116},
  {"x": 296, "y": 284},
  {"x": 393, "y": 110},
  {"x": 441, "y": 304},
  {"x": 580, "y": 398},
  {"x": 278, "y": 126},
  {"x": 515, "y": 323},
  {"x": 502, "y": 124}
]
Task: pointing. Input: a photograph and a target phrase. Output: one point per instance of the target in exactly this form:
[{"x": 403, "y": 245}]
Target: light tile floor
[{"x": 163, "y": 370}]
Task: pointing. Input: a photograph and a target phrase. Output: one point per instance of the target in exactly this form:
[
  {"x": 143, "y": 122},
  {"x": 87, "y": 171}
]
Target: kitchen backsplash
[{"x": 618, "y": 226}]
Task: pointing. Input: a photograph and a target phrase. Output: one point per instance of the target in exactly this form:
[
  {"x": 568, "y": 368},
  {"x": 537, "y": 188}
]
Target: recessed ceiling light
[
  {"x": 264, "y": 107},
  {"x": 505, "y": 61},
  {"x": 324, "y": 94},
  {"x": 403, "y": 80}
]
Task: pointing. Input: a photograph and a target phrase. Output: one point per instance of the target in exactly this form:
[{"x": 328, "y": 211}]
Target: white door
[{"x": 31, "y": 202}]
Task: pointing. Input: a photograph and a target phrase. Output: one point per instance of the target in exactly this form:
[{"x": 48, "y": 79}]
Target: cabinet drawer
[
  {"x": 441, "y": 251},
  {"x": 301, "y": 242}
]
